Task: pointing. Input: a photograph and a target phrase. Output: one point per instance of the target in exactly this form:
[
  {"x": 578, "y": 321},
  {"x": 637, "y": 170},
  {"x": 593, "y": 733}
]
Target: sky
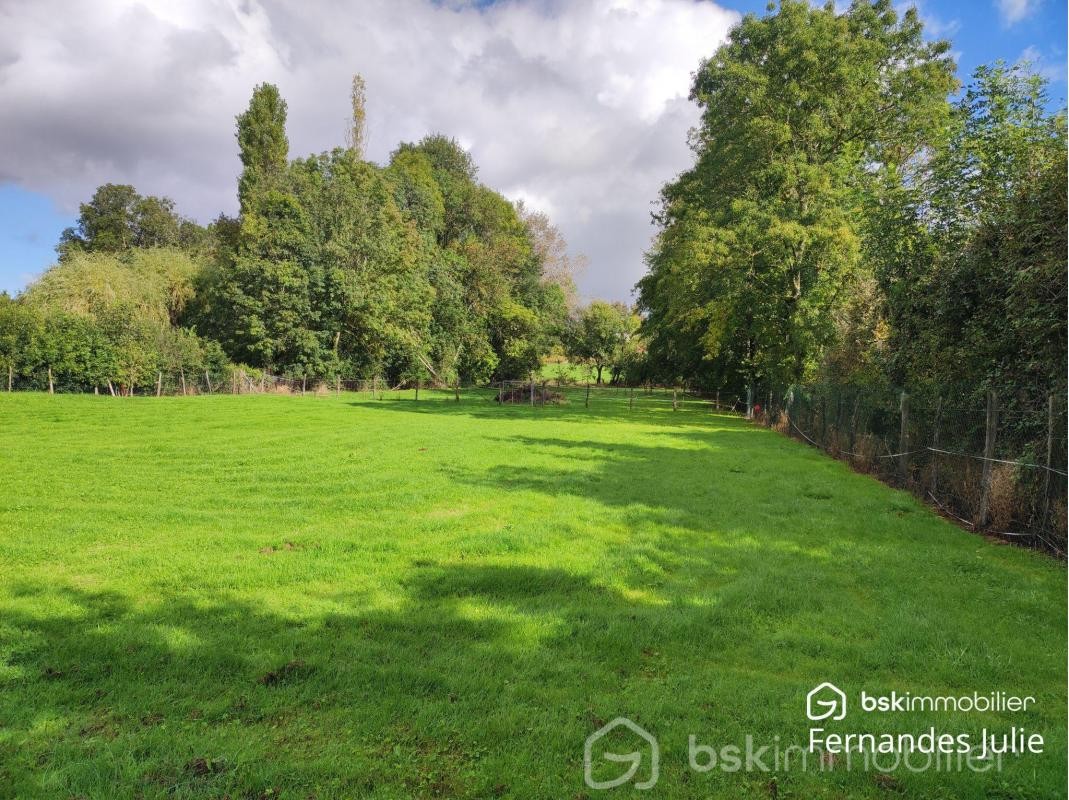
[{"x": 578, "y": 107}]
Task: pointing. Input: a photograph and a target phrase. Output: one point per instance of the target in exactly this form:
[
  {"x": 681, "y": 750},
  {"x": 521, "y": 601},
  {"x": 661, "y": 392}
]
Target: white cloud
[
  {"x": 578, "y": 107},
  {"x": 1013, "y": 11},
  {"x": 934, "y": 26},
  {"x": 1053, "y": 69}
]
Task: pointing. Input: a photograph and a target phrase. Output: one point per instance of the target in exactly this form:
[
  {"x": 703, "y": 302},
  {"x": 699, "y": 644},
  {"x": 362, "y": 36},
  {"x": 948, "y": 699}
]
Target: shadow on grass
[
  {"x": 479, "y": 668},
  {"x": 738, "y": 570}
]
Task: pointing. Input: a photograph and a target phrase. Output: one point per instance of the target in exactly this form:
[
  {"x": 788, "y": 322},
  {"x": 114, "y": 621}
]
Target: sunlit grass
[{"x": 340, "y": 597}]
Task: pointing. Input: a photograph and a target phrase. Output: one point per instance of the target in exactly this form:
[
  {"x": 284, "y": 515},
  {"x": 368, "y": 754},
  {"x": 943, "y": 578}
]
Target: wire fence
[{"x": 998, "y": 467}]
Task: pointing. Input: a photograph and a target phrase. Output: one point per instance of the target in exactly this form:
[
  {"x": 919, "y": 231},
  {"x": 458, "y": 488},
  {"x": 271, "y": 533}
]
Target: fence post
[
  {"x": 990, "y": 429},
  {"x": 51, "y": 388},
  {"x": 532, "y": 389},
  {"x": 159, "y": 383},
  {"x": 542, "y": 399},
  {"x": 903, "y": 436},
  {"x": 587, "y": 402},
  {"x": 824, "y": 421},
  {"x": 1050, "y": 451},
  {"x": 10, "y": 376},
  {"x": 853, "y": 419},
  {"x": 375, "y": 388},
  {"x": 935, "y": 445}
]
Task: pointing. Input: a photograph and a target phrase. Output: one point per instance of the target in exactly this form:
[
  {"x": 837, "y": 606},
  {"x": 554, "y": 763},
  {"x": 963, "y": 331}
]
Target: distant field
[
  {"x": 566, "y": 372},
  {"x": 335, "y": 597}
]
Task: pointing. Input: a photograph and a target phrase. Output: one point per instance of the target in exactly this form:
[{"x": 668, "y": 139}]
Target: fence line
[{"x": 1005, "y": 456}]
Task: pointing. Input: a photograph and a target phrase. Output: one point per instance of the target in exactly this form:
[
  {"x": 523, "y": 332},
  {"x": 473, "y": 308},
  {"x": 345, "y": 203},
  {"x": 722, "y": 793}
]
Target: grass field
[{"x": 287, "y": 597}]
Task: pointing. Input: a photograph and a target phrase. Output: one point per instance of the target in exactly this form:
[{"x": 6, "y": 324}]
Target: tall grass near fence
[{"x": 997, "y": 467}]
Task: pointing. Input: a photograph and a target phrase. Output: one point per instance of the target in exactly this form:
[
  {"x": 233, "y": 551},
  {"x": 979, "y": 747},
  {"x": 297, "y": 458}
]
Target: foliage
[
  {"x": 117, "y": 219},
  {"x": 758, "y": 239},
  {"x": 977, "y": 299},
  {"x": 600, "y": 335}
]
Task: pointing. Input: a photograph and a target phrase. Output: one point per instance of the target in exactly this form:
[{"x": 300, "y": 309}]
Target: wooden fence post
[
  {"x": 10, "y": 376},
  {"x": 853, "y": 420},
  {"x": 903, "y": 437},
  {"x": 532, "y": 390},
  {"x": 159, "y": 384},
  {"x": 990, "y": 429},
  {"x": 51, "y": 387},
  {"x": 935, "y": 445},
  {"x": 587, "y": 402},
  {"x": 1050, "y": 452},
  {"x": 824, "y": 421}
]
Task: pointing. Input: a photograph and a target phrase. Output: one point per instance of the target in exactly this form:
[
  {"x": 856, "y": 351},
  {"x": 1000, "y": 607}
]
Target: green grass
[
  {"x": 264, "y": 596},
  {"x": 567, "y": 372}
]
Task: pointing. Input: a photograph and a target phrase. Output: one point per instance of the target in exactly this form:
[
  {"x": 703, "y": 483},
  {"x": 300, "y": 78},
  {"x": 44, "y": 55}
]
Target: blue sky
[{"x": 61, "y": 140}]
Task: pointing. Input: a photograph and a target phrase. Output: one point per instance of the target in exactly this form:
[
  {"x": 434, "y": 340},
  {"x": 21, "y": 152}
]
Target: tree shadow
[{"x": 733, "y": 573}]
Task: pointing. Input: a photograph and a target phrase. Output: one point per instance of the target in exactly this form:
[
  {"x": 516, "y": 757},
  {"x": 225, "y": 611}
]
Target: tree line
[
  {"x": 334, "y": 266},
  {"x": 854, "y": 216}
]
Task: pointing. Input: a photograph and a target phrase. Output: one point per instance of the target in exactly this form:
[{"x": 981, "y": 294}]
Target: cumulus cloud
[
  {"x": 1013, "y": 11},
  {"x": 578, "y": 108}
]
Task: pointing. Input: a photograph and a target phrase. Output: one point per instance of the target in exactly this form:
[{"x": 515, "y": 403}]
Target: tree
[
  {"x": 600, "y": 334},
  {"x": 356, "y": 136},
  {"x": 977, "y": 299},
  {"x": 558, "y": 267},
  {"x": 262, "y": 143},
  {"x": 759, "y": 239},
  {"x": 117, "y": 219}
]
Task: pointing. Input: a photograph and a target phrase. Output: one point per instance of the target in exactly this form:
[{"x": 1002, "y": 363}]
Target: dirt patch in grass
[{"x": 293, "y": 670}]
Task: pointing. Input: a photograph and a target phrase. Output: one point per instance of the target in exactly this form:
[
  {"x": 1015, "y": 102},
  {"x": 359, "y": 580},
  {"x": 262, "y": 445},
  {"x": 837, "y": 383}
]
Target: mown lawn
[{"x": 333, "y": 597}]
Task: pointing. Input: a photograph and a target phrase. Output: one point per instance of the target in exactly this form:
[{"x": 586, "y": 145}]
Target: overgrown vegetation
[
  {"x": 335, "y": 266},
  {"x": 844, "y": 221}
]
